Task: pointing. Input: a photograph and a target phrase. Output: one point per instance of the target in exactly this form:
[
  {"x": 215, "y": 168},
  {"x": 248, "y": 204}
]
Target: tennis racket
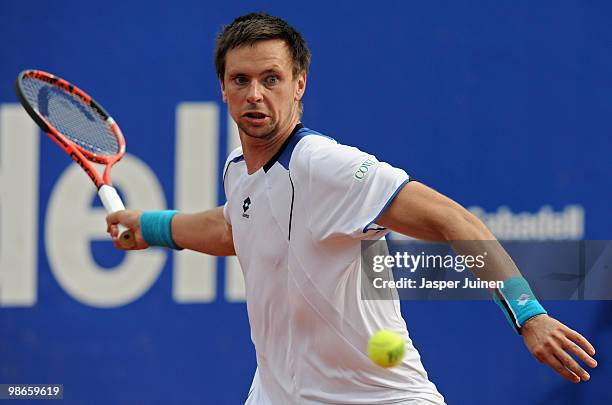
[{"x": 81, "y": 127}]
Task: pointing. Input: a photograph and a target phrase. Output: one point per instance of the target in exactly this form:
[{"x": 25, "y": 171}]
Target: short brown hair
[{"x": 251, "y": 28}]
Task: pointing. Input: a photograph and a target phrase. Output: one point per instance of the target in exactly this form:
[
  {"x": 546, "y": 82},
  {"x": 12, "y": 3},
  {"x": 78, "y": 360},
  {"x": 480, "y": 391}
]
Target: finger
[
  {"x": 117, "y": 244},
  {"x": 581, "y": 340},
  {"x": 572, "y": 365},
  {"x": 114, "y": 231},
  {"x": 579, "y": 353},
  {"x": 556, "y": 365},
  {"x": 112, "y": 218}
]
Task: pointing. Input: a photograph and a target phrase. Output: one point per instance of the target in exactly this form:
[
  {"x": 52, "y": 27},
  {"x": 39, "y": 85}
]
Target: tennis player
[{"x": 298, "y": 206}]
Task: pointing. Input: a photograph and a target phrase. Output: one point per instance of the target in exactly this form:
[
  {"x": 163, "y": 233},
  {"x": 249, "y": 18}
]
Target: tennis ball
[{"x": 386, "y": 348}]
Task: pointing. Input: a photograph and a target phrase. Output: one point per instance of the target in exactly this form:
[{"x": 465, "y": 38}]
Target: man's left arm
[{"x": 420, "y": 212}]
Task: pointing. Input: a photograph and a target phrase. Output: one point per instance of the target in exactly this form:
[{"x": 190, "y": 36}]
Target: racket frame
[
  {"x": 84, "y": 158},
  {"x": 80, "y": 155}
]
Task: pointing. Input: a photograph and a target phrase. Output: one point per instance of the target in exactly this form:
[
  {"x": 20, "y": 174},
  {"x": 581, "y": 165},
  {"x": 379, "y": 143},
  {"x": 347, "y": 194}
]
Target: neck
[{"x": 257, "y": 152}]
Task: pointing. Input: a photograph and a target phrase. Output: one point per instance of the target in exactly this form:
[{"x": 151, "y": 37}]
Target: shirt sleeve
[
  {"x": 226, "y": 214},
  {"x": 345, "y": 189},
  {"x": 234, "y": 156}
]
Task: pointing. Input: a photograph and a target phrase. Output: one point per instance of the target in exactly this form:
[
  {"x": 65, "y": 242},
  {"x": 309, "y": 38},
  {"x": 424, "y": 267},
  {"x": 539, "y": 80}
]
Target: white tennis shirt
[{"x": 297, "y": 225}]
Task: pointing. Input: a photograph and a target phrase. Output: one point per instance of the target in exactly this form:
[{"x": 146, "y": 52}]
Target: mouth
[
  {"x": 255, "y": 118},
  {"x": 255, "y": 115}
]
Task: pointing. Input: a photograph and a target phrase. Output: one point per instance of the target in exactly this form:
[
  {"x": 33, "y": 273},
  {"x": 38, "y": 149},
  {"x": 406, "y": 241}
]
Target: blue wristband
[
  {"x": 518, "y": 302},
  {"x": 155, "y": 228}
]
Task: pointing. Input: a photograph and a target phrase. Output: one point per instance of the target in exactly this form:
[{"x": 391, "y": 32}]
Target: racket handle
[{"x": 112, "y": 202}]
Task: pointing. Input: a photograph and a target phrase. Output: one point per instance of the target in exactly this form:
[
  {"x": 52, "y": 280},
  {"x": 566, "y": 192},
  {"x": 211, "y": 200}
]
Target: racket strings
[{"x": 71, "y": 117}]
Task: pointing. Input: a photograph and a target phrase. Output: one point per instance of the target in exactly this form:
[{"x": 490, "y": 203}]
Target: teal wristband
[
  {"x": 155, "y": 228},
  {"x": 517, "y": 301}
]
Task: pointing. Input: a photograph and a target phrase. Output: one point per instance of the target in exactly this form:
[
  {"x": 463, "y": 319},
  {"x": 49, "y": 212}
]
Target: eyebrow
[
  {"x": 265, "y": 72},
  {"x": 270, "y": 71}
]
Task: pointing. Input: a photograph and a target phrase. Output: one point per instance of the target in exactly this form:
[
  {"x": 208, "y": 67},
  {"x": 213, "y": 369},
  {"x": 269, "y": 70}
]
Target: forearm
[
  {"x": 423, "y": 213},
  {"x": 470, "y": 237},
  {"x": 205, "y": 232},
  {"x": 547, "y": 339}
]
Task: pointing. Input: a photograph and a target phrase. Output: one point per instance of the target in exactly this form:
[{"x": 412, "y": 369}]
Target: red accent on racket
[{"x": 81, "y": 127}]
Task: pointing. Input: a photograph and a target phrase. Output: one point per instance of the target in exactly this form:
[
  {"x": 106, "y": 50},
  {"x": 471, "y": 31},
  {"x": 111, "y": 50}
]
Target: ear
[
  {"x": 301, "y": 86},
  {"x": 222, "y": 84}
]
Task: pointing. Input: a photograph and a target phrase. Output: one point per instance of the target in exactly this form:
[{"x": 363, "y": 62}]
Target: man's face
[{"x": 259, "y": 88}]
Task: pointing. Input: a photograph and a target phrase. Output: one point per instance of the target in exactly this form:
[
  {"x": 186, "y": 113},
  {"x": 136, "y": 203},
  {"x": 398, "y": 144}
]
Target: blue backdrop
[{"x": 495, "y": 104}]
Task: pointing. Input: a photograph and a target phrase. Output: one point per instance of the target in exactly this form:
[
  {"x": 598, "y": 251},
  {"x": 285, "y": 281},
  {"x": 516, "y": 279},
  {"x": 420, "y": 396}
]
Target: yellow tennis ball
[{"x": 386, "y": 348}]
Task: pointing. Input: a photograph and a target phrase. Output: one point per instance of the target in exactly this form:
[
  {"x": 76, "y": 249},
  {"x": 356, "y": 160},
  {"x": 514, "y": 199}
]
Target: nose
[{"x": 254, "y": 94}]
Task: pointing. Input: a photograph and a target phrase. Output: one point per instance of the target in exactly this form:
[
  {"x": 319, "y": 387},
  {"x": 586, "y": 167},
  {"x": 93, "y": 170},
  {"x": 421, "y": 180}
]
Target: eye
[
  {"x": 240, "y": 80},
  {"x": 272, "y": 80}
]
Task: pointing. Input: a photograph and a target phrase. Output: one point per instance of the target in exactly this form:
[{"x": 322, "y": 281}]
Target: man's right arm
[{"x": 206, "y": 232}]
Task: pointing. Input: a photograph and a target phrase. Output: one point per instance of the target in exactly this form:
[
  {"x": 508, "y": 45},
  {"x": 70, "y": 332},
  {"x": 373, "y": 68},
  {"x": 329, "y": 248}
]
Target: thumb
[{"x": 114, "y": 218}]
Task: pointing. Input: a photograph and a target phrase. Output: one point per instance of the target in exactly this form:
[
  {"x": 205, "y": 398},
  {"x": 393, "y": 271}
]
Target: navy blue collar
[{"x": 278, "y": 154}]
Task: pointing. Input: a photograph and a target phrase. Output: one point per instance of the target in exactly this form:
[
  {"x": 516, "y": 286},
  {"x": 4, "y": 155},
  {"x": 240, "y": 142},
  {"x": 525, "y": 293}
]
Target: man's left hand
[{"x": 551, "y": 342}]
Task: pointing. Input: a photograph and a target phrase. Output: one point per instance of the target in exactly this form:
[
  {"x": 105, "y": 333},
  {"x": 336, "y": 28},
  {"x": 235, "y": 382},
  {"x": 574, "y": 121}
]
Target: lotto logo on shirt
[{"x": 245, "y": 207}]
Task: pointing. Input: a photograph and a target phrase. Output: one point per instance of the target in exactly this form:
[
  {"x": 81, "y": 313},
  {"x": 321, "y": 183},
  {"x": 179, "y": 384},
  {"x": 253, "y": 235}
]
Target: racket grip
[{"x": 112, "y": 202}]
